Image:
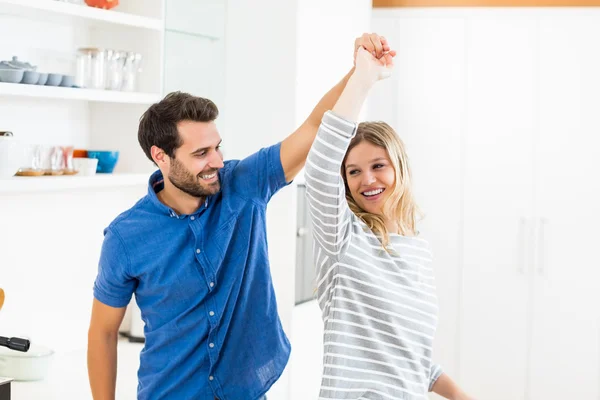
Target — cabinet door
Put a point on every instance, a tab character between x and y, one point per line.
498	172
195	48
565	340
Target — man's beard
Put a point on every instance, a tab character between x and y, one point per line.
185	181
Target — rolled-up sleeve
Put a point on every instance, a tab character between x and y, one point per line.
261	174
434	373
114	286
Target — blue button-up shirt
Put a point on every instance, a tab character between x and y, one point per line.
203	284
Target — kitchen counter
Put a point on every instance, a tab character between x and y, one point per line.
68	379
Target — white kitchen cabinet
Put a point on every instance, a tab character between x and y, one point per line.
565	361
528	326
496	207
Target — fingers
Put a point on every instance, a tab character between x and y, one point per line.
365	42
374	44
385	44
377	45
388	59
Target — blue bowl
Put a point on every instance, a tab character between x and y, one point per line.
107	160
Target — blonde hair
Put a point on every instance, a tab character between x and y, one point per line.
400	206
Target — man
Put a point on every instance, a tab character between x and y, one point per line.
194	252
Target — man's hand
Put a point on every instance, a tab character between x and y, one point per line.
376	45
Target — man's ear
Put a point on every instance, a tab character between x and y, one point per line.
158	155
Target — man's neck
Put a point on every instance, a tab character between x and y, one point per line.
180	202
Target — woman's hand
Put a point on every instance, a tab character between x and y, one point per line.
370	69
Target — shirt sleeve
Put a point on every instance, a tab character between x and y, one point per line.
325	192
434	373
114	286
261	174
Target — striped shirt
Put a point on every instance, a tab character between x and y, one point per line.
379	308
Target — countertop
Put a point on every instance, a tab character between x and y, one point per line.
68	379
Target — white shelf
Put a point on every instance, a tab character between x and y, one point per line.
63	93
27	184
59	12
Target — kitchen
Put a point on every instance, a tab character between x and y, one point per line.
471	86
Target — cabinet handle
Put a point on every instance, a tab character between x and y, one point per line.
522	245
301	232
540	246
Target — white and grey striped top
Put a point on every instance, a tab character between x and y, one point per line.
379	308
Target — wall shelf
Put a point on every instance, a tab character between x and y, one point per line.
63	93
193	34
57	11
26	184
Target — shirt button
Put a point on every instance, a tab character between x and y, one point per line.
210	378
197	251
211	284
212	313
211	345
192	218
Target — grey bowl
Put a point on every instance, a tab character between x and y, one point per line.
54	79
67	81
11	75
31	77
43	78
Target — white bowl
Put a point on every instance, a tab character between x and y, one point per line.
32	365
85	166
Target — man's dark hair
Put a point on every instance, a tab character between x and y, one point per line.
158	125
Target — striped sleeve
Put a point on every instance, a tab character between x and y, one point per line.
434	373
325	193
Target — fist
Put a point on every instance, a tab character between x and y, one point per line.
370	69
373	43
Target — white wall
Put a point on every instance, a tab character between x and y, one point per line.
49	248
325	46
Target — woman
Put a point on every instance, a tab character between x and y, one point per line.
375	281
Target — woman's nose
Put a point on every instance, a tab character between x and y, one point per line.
368	179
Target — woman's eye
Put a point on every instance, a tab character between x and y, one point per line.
353	172
377	166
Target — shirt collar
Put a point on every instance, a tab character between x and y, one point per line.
155	185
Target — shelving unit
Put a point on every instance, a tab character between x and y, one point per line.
50	32
66	13
26	184
63	93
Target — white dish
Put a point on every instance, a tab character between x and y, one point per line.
32	365
85	166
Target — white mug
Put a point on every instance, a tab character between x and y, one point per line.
85	166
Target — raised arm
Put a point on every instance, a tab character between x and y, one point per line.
294	149
324	185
